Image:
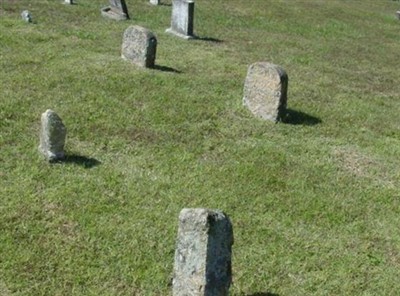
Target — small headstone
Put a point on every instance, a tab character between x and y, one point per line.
398	14
26	16
52	136
117	10
182	18
139	46
69	2
265	91
155	2
203	256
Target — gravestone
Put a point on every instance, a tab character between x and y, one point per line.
26	16
182	18
398	14
69	2
139	46
52	136
203	253
265	91
155	2
117	10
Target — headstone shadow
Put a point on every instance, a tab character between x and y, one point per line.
207	39
86	162
263	294
300	118
166	69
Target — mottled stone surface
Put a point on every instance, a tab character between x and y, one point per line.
117	10
52	136
139	46
26	16
203	253
265	91
155	2
182	18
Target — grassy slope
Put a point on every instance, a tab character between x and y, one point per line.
314	203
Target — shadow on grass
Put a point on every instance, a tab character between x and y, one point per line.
166	69
208	39
165	4
80	160
300	118
263	294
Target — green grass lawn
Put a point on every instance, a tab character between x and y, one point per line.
314	202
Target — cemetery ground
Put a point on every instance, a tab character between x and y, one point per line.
314	201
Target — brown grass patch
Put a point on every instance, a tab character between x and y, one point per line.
360	164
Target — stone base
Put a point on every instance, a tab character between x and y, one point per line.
173	32
108	12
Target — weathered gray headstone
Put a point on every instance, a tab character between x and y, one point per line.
203	255
155	2
182	18
265	91
117	10
139	46
26	16
398	14
52	136
69	2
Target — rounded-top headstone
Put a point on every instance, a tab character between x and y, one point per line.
265	91
52	136
139	46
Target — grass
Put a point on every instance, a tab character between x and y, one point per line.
314	202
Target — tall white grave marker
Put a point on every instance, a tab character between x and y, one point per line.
182	18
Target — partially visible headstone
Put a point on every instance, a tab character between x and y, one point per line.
139	46
52	136
203	255
26	16
182	18
398	14
69	2
155	2
265	91
117	10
